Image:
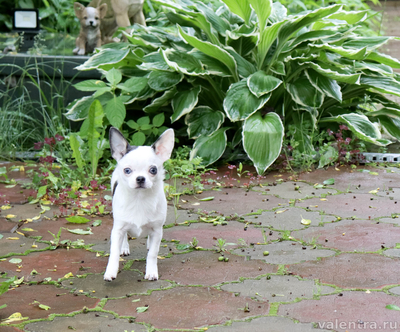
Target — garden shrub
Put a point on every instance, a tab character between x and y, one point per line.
239	74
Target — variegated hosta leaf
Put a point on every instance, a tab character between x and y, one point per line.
160	101
333	74
262	139
104	57
203	121
353	54
184	102
384	59
324	84
351	17
382	84
260	83
361	127
303	93
240	7
386	111
263	10
391	125
240	103
163	80
183	62
210	148
78	109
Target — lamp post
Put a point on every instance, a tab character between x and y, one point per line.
26	23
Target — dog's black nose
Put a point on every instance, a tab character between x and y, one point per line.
91	22
140	179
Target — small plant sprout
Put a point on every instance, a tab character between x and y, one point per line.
220	245
194	243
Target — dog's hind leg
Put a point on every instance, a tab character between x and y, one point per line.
153	241
117	237
125	247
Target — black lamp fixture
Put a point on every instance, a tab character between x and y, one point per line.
26	22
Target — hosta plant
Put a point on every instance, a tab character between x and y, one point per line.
239	73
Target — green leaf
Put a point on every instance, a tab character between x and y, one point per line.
324	84
262	139
260	83
382	84
303	93
240	8
212	50
203	121
105	56
115	111
329	182
141	309
210	148
240	103
160	101
360	125
3	306
95	120
132	124
41	191
44	307
114	76
75	144
80	231
350	17
266	40
15	260
206	199
183	62
134	84
392	307
263	10
138	138
77	220
164	80
330	156
184	102
335	75
384	59
391	125
97	223
90	85
349	53
158	120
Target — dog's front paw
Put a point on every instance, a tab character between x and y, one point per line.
81	52
109	276
125	251
151	274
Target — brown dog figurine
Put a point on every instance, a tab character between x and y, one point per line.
90	35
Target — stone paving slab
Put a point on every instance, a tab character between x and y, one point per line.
89	322
126	283
57	299
368	271
286	252
296	190
14	243
55	264
203	268
278	288
360	206
290	218
29	211
15	195
207	234
350	235
188	307
232	201
347	311
270	324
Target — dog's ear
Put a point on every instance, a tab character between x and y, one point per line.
164	145
118	144
79	8
102	10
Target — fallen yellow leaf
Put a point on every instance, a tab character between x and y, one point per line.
305	221
13	238
36	218
69	275
22	169
5	207
280	211
374	191
10	216
160	257
14	317
323	199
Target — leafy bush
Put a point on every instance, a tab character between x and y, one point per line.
241	73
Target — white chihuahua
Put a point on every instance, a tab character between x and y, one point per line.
139	203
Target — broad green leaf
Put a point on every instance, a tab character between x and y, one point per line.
240	103
138	138
384	59
163	80
97	223
241	8
263	10
134	84
115	111
77	220
158	120
154	61
361	127
351	17
141	309
260	83
329	182
105	56
90	85
75	146
391	125
41	191
184	102
265	41
210	148
211	50
303	93
114	76
78	109
245	67
203	121
382	84
307	36
80	231
183	62
371	43
262	139
386	111
353	54
329	156
324	84
160	101
393	307
95	114
335	75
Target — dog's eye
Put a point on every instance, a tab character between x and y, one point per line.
153	170
96	18
85	17
127	170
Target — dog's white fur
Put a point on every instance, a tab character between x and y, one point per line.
139	203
